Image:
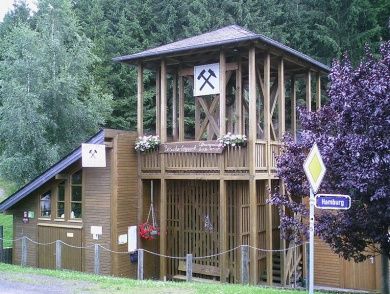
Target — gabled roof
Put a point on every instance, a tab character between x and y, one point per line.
224	36
50	173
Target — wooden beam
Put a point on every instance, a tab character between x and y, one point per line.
181	109
189	71
281	102
253	232
197	117
238	100
223	230
209	116
283	263
308	90
163	132
251	156
267	84
268	233
140	100
174	107
61	177
163	229
293	108
318	92
222	94
158	102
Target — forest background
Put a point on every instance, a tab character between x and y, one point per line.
59	85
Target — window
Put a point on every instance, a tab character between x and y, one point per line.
76	195
46	204
61	200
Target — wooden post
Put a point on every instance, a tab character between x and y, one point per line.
58	254
1	244
222	94
163	229
267	116
308	90
158	102
181	109
197	118
174	107
293	108
281	102
268	232
223	229
24	251
238	101
189	267
282	241
244	264
318	92
96	268
140	100
140	264
251	149
140	200
163	89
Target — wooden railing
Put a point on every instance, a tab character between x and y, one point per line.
232	160
191	162
236	159
150	161
260	156
293	271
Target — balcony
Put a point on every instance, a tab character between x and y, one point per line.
233	160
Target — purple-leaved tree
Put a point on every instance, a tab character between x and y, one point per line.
353	135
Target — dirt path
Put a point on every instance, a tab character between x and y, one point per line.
20	283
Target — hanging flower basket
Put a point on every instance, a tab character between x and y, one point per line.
147	143
148	232
232	140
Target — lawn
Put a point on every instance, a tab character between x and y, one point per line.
122	285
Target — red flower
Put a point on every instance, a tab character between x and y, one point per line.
148	232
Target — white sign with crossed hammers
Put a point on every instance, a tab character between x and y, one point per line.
93	155
206	79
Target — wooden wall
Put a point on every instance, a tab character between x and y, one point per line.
124	200
97	208
30	230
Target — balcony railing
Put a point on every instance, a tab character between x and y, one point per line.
231	160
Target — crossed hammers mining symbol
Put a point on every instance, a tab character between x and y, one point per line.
206	80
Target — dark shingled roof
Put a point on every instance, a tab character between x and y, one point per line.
50	173
224	36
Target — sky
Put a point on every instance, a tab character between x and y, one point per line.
6	5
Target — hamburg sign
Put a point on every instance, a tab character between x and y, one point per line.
333	201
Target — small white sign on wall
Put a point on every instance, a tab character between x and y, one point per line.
96	231
132	239
206	79
93	155
122	239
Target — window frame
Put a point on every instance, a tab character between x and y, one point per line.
71	201
47	192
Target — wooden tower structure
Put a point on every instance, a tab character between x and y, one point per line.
210	201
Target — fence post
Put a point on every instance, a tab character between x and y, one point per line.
23	261
140	265
97	260
244	264
58	254
189	267
1	244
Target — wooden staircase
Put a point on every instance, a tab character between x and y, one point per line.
289	274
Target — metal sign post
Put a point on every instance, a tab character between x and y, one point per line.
315	170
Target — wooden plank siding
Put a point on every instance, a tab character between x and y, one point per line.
124	200
97	212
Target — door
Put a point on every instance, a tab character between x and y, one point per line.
71	257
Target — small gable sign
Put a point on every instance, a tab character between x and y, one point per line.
93	155
206	79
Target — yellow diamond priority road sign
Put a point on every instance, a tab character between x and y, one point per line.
314	168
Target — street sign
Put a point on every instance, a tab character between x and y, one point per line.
314	168
333	201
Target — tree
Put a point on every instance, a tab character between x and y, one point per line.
49	101
353	135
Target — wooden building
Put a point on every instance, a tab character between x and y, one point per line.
66	200
208	199
213	201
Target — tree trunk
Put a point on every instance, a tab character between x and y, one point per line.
385	274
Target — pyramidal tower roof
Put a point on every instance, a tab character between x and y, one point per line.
229	35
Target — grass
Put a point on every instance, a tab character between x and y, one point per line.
122	285
6	220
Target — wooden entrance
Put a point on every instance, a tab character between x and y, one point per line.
71	257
